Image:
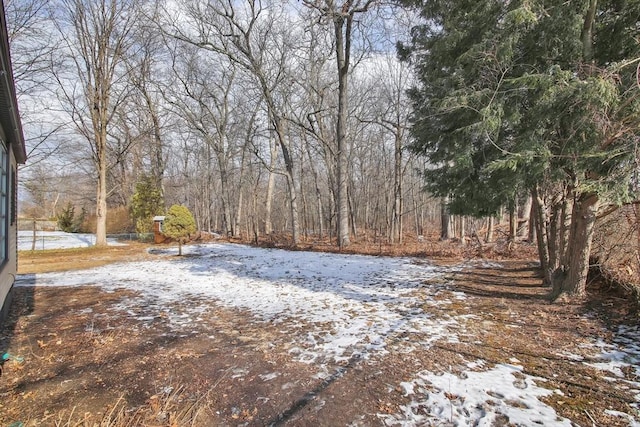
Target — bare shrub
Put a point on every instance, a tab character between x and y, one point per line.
615	245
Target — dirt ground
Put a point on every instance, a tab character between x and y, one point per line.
77	359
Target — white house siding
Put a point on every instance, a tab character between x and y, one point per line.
10	268
13	141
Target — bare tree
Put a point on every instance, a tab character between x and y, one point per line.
250	36
341	15
206	97
96	35
390	111
31	53
144	74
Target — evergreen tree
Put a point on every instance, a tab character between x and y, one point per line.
532	94
66	219
179	224
146	203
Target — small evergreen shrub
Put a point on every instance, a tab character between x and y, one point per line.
179	224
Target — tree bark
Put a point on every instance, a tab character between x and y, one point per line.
587	31
343	45
539	211
446	224
101	204
271	182
396	215
513	220
585	212
291	182
490	227
524	226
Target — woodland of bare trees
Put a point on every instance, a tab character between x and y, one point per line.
260	117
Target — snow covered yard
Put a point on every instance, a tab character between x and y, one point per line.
372	340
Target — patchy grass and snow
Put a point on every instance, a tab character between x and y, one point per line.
335	309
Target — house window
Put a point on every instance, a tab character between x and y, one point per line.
4	202
13	188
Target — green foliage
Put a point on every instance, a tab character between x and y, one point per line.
68	221
178	223
530	95
146	203
514	94
66	218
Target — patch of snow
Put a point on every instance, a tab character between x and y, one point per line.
407	387
632	421
499	396
483	263
352	305
620	355
476	364
269	377
58	240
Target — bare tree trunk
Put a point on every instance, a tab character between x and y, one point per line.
539	210
565	225
238	220
33	242
554	233
446	224
354	228
291	182
101	197
490	227
396	214
523	227
268	224
513	220
342	46
532	236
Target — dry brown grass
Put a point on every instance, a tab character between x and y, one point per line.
30	262
173	409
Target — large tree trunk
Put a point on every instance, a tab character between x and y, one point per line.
540	222
99	122
446	230
291	182
574	278
101	201
524	225
343	43
554	233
